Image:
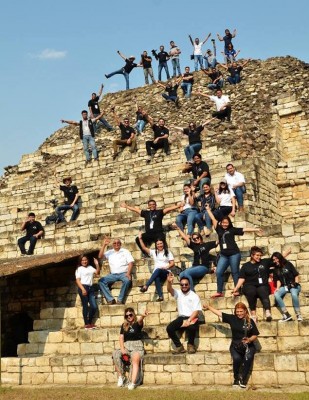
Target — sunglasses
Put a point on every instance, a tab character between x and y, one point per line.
195	238
129	315
184	284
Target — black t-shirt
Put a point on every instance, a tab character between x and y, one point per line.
140	116
126	131
256	274
198	169
208	199
228	246
172	90
234	71
134	332
69	193
94	104
286	275
188	74
201	252
194	136
238	327
129	65
159	131
153	220
146	63
214	75
163	56
32	228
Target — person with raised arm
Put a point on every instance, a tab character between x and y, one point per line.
229	251
197	51
234	69
171	90
227	38
222	103
244	334
94	109
141	117
153	221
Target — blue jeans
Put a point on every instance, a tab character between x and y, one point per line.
66	207
195	272
21	244
88	313
89	141
186	87
104	123
108	280
187	216
223	263
140	125
198	60
279	294
120	72
160	67
158	277
233	79
192	149
203	219
212	64
167	97
239	194
176	64
218	85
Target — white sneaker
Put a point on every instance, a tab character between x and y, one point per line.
121	381
299	317
131	386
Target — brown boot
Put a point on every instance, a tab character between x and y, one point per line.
191	349
178	350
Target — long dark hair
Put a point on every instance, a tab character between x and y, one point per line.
79	261
229	221
282	260
126	324
165	246
225	190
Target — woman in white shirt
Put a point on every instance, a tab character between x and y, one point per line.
225	197
84	279
189	210
163	261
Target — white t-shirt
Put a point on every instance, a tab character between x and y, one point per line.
85	274
160	259
198	49
226	198
85	126
234	179
118	260
186	201
187	303
220	102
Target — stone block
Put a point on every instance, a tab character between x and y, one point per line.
293	343
91	348
264	378
286	362
77	378
223	378
291	378
182	378
61	378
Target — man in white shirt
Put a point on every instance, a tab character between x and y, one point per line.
222	103
236	182
120	263
188	305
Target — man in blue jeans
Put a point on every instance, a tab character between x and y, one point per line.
162	57
94	109
120	263
71	196
34	231
86	133
187	82
237	183
125	71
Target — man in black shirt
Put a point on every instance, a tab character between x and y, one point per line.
162	57
234	69
34	231
187	82
160	141
71	197
171	89
216	77
146	63
127	138
200	172
125	71
153	221
94	109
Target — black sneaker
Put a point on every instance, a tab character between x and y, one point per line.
236	383
242	383
286	317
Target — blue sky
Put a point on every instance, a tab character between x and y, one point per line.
55	53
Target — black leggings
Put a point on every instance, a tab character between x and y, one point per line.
175	325
245	361
252	293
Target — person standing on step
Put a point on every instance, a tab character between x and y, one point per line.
128	137
188	306
174	56
121	264
287	281
163	261
34	231
160	141
236	182
125	71
86	133
84	280
147	68
131	349
244	334
162	57
94	109
227	39
153	222
71	196
197	51
187	82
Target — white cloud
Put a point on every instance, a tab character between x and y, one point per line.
50	54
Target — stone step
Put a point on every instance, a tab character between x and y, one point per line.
208	368
213	336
